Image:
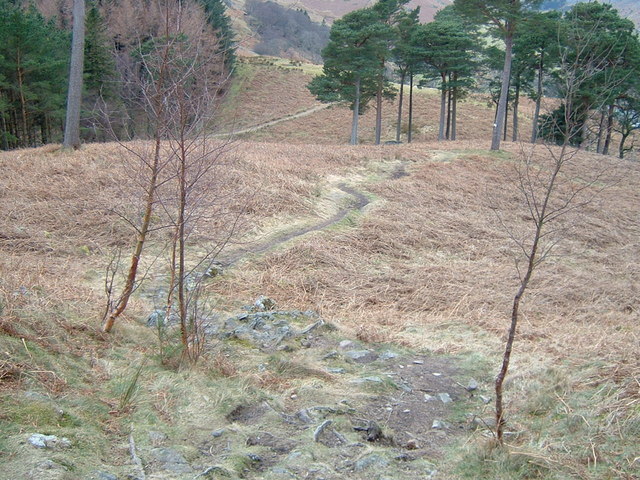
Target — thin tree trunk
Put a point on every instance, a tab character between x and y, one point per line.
356	114
504	91
454	113
400	101
443	105
622	142
379	112
532	261
74	96
506	122
516	104
600	131
607	141
24	138
449	95
410	130
536	113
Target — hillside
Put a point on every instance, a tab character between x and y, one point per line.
393	276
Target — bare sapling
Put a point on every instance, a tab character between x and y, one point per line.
200	186
552	186
153	90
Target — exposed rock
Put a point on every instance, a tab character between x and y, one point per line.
218	433
388	355
48	441
279	445
171	460
362	356
100	475
159	318
336	370
472	386
370	461
345	344
485	399
264	304
445	397
372	379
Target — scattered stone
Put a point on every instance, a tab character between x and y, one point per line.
439	425
412	444
218	433
100	475
48	441
429	398
370	461
367	380
318	431
418	362
305	343
264	304
472	386
388	355
331	354
405	388
362	356
357	354
282	472
485	399
336	370
445	398
486	422
254	458
435	374
171	460
158	318
345	344
215	471
406	410
304	416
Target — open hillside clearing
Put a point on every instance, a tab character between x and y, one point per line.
425	267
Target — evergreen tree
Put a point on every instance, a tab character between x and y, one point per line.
352	67
406	56
504	16
33	61
446	50
216	12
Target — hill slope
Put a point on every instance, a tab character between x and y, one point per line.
414	283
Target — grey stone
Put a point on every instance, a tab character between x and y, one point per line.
331	354
345	344
472	386
372	379
388	355
100	475
171	460
48	441
429	398
485	399
304	416
336	370
439	425
370	461
218	433
445	397
254	458
418	362
486	422
282	472
356	354
263	304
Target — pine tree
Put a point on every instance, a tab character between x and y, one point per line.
216	12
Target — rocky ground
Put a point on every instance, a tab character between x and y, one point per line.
369	411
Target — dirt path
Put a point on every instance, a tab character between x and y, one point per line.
358	203
255	128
